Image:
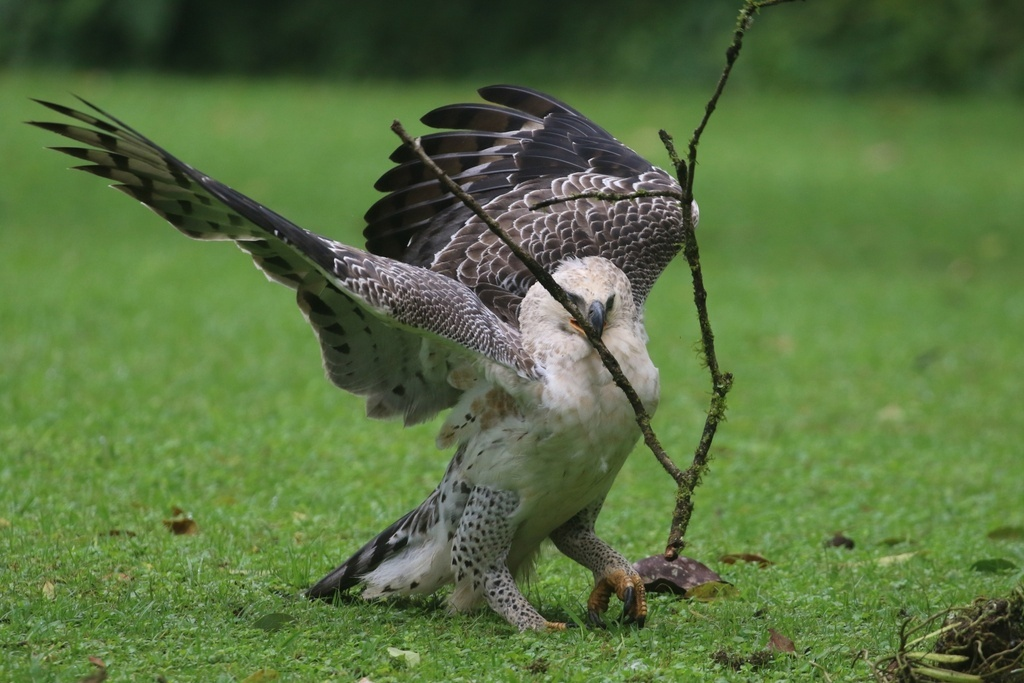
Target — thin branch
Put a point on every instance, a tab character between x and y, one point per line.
643	419
721	382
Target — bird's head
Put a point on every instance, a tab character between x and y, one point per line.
599	290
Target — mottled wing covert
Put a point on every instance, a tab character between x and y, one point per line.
520	150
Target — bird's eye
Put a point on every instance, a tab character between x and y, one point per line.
608	304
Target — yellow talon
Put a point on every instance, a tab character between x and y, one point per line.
629	588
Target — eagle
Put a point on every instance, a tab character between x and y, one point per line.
437	314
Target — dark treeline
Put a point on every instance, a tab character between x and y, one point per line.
850	45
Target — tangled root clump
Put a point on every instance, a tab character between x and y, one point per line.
983	641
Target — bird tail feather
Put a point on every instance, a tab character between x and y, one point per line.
350	573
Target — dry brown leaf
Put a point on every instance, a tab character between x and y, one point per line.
49	590
97	676
733	558
261	676
838	540
677	576
896	540
779	642
182	526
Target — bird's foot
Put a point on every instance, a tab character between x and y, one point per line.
629	587
559	625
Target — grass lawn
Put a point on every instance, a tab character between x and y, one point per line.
864	262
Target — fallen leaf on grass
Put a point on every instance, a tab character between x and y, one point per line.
896	540
888	560
712	590
49	590
839	541
409	657
779	643
756	660
97	676
122	532
733	558
261	676
995	565
4	523
677	576
182	527
275	621
181	523
1003	533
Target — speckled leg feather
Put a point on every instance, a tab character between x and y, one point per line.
612	572
479	552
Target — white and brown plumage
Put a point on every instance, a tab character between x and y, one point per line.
439	314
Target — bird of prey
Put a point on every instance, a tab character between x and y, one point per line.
437	314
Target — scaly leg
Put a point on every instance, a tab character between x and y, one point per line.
479	552
612	572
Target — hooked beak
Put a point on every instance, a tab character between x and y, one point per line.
595	314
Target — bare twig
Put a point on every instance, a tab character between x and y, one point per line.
721	382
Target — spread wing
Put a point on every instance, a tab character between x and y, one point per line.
521	150
388	330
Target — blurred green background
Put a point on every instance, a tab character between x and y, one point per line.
849	45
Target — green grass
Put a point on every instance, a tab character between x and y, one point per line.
863	258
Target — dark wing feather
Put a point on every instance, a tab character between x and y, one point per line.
388	330
520	149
